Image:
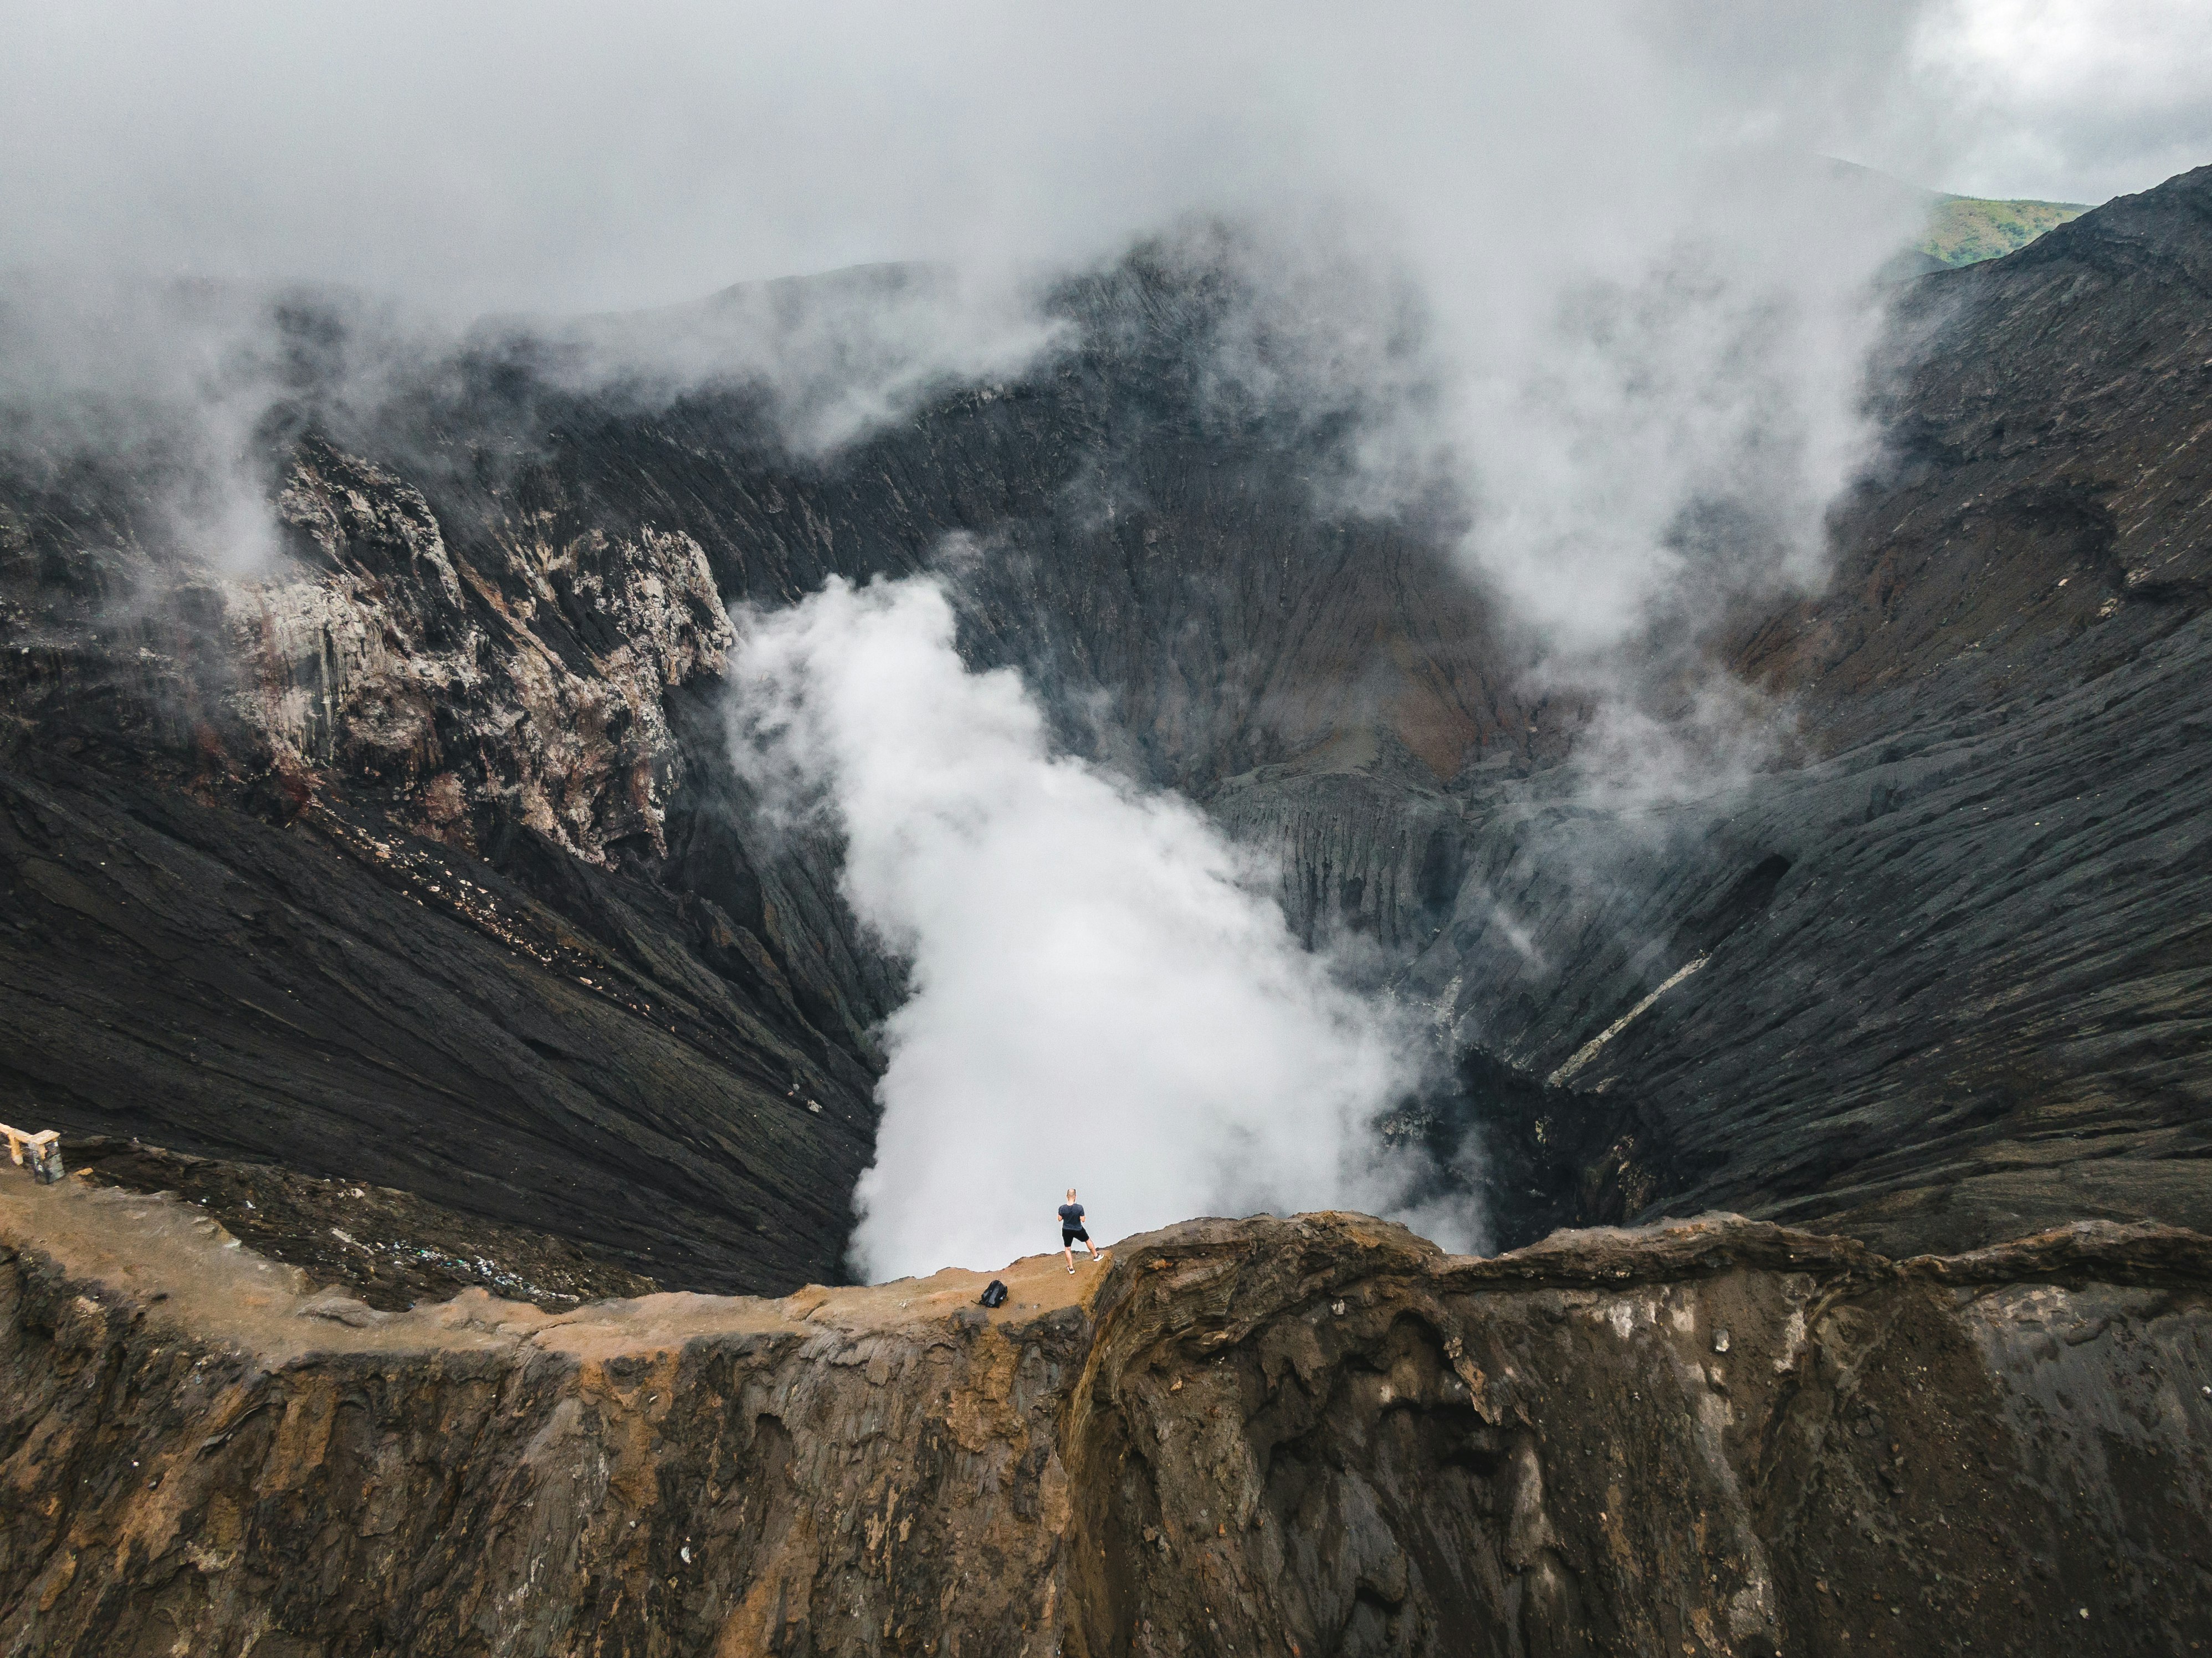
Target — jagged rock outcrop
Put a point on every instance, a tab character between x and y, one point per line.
369	661
1310	1437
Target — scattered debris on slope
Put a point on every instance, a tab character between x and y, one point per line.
389	1248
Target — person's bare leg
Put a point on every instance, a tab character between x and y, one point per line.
1091	1246
1068	1250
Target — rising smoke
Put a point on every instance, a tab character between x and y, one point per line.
1577	270
1103	994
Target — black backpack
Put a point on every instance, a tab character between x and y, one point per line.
994	1294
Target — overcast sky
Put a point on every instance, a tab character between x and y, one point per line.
566	155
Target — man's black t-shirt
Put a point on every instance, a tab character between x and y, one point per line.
1071	1216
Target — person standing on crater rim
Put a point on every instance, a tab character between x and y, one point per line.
1072	1232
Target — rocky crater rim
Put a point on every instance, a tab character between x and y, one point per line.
182	1269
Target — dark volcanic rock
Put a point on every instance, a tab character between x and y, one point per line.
475	696
1975	996
1950	976
1308	1436
366	863
377	1007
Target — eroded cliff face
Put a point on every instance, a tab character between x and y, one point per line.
1307	1438
368	660
428	818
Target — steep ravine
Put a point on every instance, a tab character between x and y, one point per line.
1308	1437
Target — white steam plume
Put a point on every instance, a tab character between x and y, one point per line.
1104	996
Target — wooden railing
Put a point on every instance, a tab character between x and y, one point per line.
40	1152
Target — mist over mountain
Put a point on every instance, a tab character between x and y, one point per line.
1409	652
475	683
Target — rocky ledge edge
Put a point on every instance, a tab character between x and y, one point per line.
1301	1437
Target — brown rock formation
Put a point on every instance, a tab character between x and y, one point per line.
372	662
1309	1436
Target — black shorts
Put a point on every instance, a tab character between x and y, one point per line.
1073	1234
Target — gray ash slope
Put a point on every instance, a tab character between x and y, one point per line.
1960	967
416	858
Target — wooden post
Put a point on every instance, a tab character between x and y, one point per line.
41	1151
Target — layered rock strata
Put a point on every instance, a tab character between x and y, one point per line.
1305	1437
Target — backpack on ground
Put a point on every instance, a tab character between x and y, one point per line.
994	1294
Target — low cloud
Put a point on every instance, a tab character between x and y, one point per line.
1575	263
179	394
1105	996
2073	100
833	356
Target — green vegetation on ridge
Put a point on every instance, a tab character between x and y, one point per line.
1955	230
1966	229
